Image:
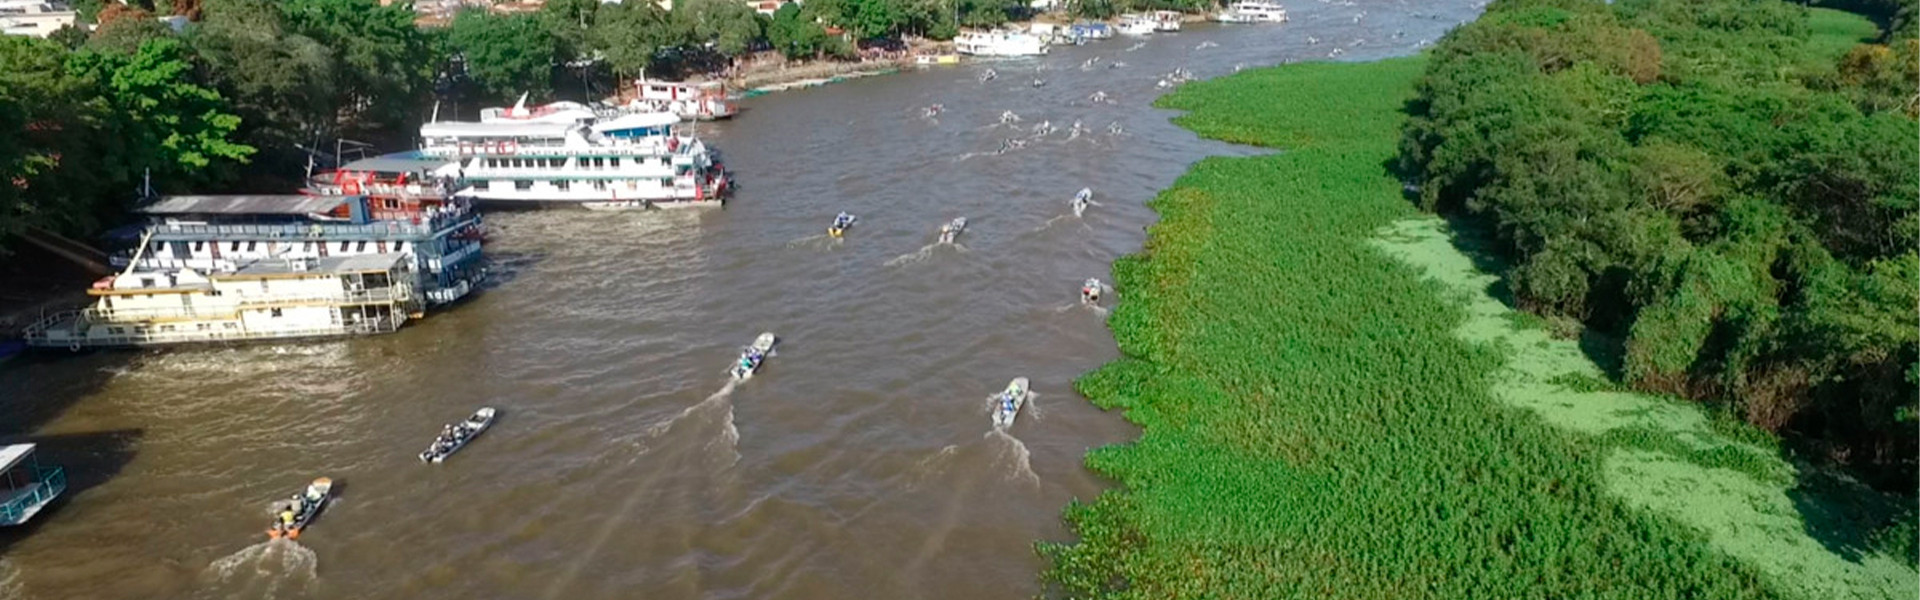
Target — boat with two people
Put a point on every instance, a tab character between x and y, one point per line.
1081	200
1090	291
952	229
1007	404
456	436
292	515
753	356
841	223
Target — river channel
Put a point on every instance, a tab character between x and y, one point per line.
860	463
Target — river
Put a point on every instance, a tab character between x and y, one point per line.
859	464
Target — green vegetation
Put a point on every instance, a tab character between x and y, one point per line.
1339	400
1313	426
1725	186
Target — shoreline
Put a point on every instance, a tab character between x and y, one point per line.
1330	399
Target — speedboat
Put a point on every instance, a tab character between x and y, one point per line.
1007	405
952	229
456	437
753	356
841	224
1090	291
1081	200
292	515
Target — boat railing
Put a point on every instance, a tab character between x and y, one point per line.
376	229
148	336
100	315
49	482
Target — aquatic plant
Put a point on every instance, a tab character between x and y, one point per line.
1312	426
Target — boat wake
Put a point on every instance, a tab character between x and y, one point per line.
921	255
10	584
820	240
265	570
933	465
720	402
1015	456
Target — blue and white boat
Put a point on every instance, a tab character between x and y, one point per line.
26	486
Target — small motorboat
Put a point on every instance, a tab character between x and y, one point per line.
292	515
952	229
989	75
455	437
1007	405
1081	200
841	224
1090	291
753	356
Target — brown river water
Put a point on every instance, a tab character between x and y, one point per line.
860	463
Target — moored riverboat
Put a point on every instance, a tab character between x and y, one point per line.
631	158
999	42
26	486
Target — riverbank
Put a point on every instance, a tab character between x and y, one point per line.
1321	417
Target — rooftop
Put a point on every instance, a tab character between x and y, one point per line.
398	162
245	204
11	454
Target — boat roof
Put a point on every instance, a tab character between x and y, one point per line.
12	454
398	162
469	128
638	120
356	263
245	204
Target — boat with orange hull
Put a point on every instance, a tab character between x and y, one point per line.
292	515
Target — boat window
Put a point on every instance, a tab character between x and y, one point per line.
600	184
198	246
235	247
117	330
146	282
251	246
563	185
343	246
398	246
523	185
206	326
393	204
306	246
274	312
360	248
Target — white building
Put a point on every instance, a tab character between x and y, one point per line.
37	18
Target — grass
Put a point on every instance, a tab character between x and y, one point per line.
1324	419
1831	33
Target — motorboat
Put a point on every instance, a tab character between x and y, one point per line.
292	515
841	224
753	356
1081	200
1091	291
456	436
1167	20
1007	404
952	229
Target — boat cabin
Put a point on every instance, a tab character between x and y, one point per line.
399	186
26	486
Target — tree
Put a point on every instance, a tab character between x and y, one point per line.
155	116
382	69
630	35
795	35
568	21
869	19
281	84
40	124
729	25
124	28
506	55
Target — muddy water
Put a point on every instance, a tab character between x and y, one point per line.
859	464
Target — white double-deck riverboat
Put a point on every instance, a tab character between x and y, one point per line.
999	42
267	299
569	155
1252	11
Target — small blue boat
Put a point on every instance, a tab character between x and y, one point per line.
25	485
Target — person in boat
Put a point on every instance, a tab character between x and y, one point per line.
1006	401
286	519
